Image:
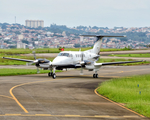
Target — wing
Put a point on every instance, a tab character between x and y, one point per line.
18	59
114	63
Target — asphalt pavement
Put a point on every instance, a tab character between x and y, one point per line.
70	96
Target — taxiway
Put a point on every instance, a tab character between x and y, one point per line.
68	97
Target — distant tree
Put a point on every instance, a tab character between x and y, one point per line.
76	45
4	26
7	41
25	41
17	32
26	31
124	39
39	28
12	46
33	32
38	34
95	27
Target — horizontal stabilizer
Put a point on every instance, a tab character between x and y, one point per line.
101	36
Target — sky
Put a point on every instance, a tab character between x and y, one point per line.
72	13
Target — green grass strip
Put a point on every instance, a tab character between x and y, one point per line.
53	50
12	72
134	92
132	55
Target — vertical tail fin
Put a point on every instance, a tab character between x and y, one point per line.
97	45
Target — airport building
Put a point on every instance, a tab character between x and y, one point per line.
34	23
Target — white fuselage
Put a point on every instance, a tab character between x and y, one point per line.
73	57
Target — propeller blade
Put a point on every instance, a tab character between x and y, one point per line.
38	71
34	55
82	63
82	56
35	61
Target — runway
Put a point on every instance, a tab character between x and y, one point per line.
70	96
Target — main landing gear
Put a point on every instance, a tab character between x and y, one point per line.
95	75
52	74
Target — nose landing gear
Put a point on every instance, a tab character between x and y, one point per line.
52	74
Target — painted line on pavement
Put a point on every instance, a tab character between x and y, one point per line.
7	96
73	116
13	96
117	103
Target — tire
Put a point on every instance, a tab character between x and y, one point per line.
49	74
54	76
94	76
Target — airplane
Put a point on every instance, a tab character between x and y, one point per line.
74	59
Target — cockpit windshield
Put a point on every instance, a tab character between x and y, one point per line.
64	54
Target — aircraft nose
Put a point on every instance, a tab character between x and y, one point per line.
59	60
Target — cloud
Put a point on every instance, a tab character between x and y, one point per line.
76	12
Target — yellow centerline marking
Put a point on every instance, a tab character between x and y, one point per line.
11	93
116	103
43	115
94	116
72	115
12	114
105	116
6	96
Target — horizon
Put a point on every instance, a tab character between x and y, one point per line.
76	26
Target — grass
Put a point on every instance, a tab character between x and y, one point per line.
12	71
126	90
132	55
51	50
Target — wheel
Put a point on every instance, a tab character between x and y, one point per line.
54	75
94	75
50	74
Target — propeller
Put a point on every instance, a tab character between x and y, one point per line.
36	61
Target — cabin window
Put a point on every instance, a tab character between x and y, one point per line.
70	55
63	54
